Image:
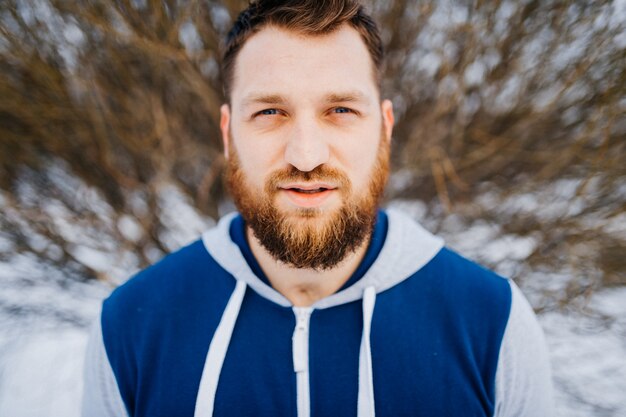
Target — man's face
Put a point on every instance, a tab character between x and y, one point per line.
308	143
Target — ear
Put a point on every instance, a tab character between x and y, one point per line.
388	118
225	127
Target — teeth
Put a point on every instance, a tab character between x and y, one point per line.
317	190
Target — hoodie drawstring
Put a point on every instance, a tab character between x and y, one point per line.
217	352
366	379
205	399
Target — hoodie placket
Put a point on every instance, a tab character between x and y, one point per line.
300	348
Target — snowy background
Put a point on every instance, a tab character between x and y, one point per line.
509	143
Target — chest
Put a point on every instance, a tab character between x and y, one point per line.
424	363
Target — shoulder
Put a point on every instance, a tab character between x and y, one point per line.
419	262
170	272
468	284
450	264
182	280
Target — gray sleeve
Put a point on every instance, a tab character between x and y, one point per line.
523	378
101	396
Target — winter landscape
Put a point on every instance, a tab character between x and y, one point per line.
509	143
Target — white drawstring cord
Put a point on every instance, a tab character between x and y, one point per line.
366	378
205	400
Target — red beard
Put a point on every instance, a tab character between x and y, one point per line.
289	237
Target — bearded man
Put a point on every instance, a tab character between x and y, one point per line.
311	301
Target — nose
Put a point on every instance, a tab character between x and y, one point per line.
307	147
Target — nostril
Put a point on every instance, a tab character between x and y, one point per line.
306	153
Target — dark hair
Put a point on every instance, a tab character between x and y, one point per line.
308	17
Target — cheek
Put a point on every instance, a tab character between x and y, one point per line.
257	153
256	162
359	161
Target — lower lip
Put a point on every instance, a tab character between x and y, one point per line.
308	200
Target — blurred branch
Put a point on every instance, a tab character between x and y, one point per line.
125	96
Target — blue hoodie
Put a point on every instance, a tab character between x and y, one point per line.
416	331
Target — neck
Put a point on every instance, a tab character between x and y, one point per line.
303	287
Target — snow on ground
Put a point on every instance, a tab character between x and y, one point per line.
41	376
43	333
588	351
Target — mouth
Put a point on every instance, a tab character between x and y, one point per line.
311	188
308	195
308	190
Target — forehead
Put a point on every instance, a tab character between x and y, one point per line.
282	62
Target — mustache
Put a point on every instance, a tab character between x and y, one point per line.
321	173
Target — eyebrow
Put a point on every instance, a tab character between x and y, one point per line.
348	96
341	97
264	99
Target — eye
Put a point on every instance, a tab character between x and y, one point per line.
269	117
342	110
268	112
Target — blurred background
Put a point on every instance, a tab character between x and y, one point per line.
510	143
